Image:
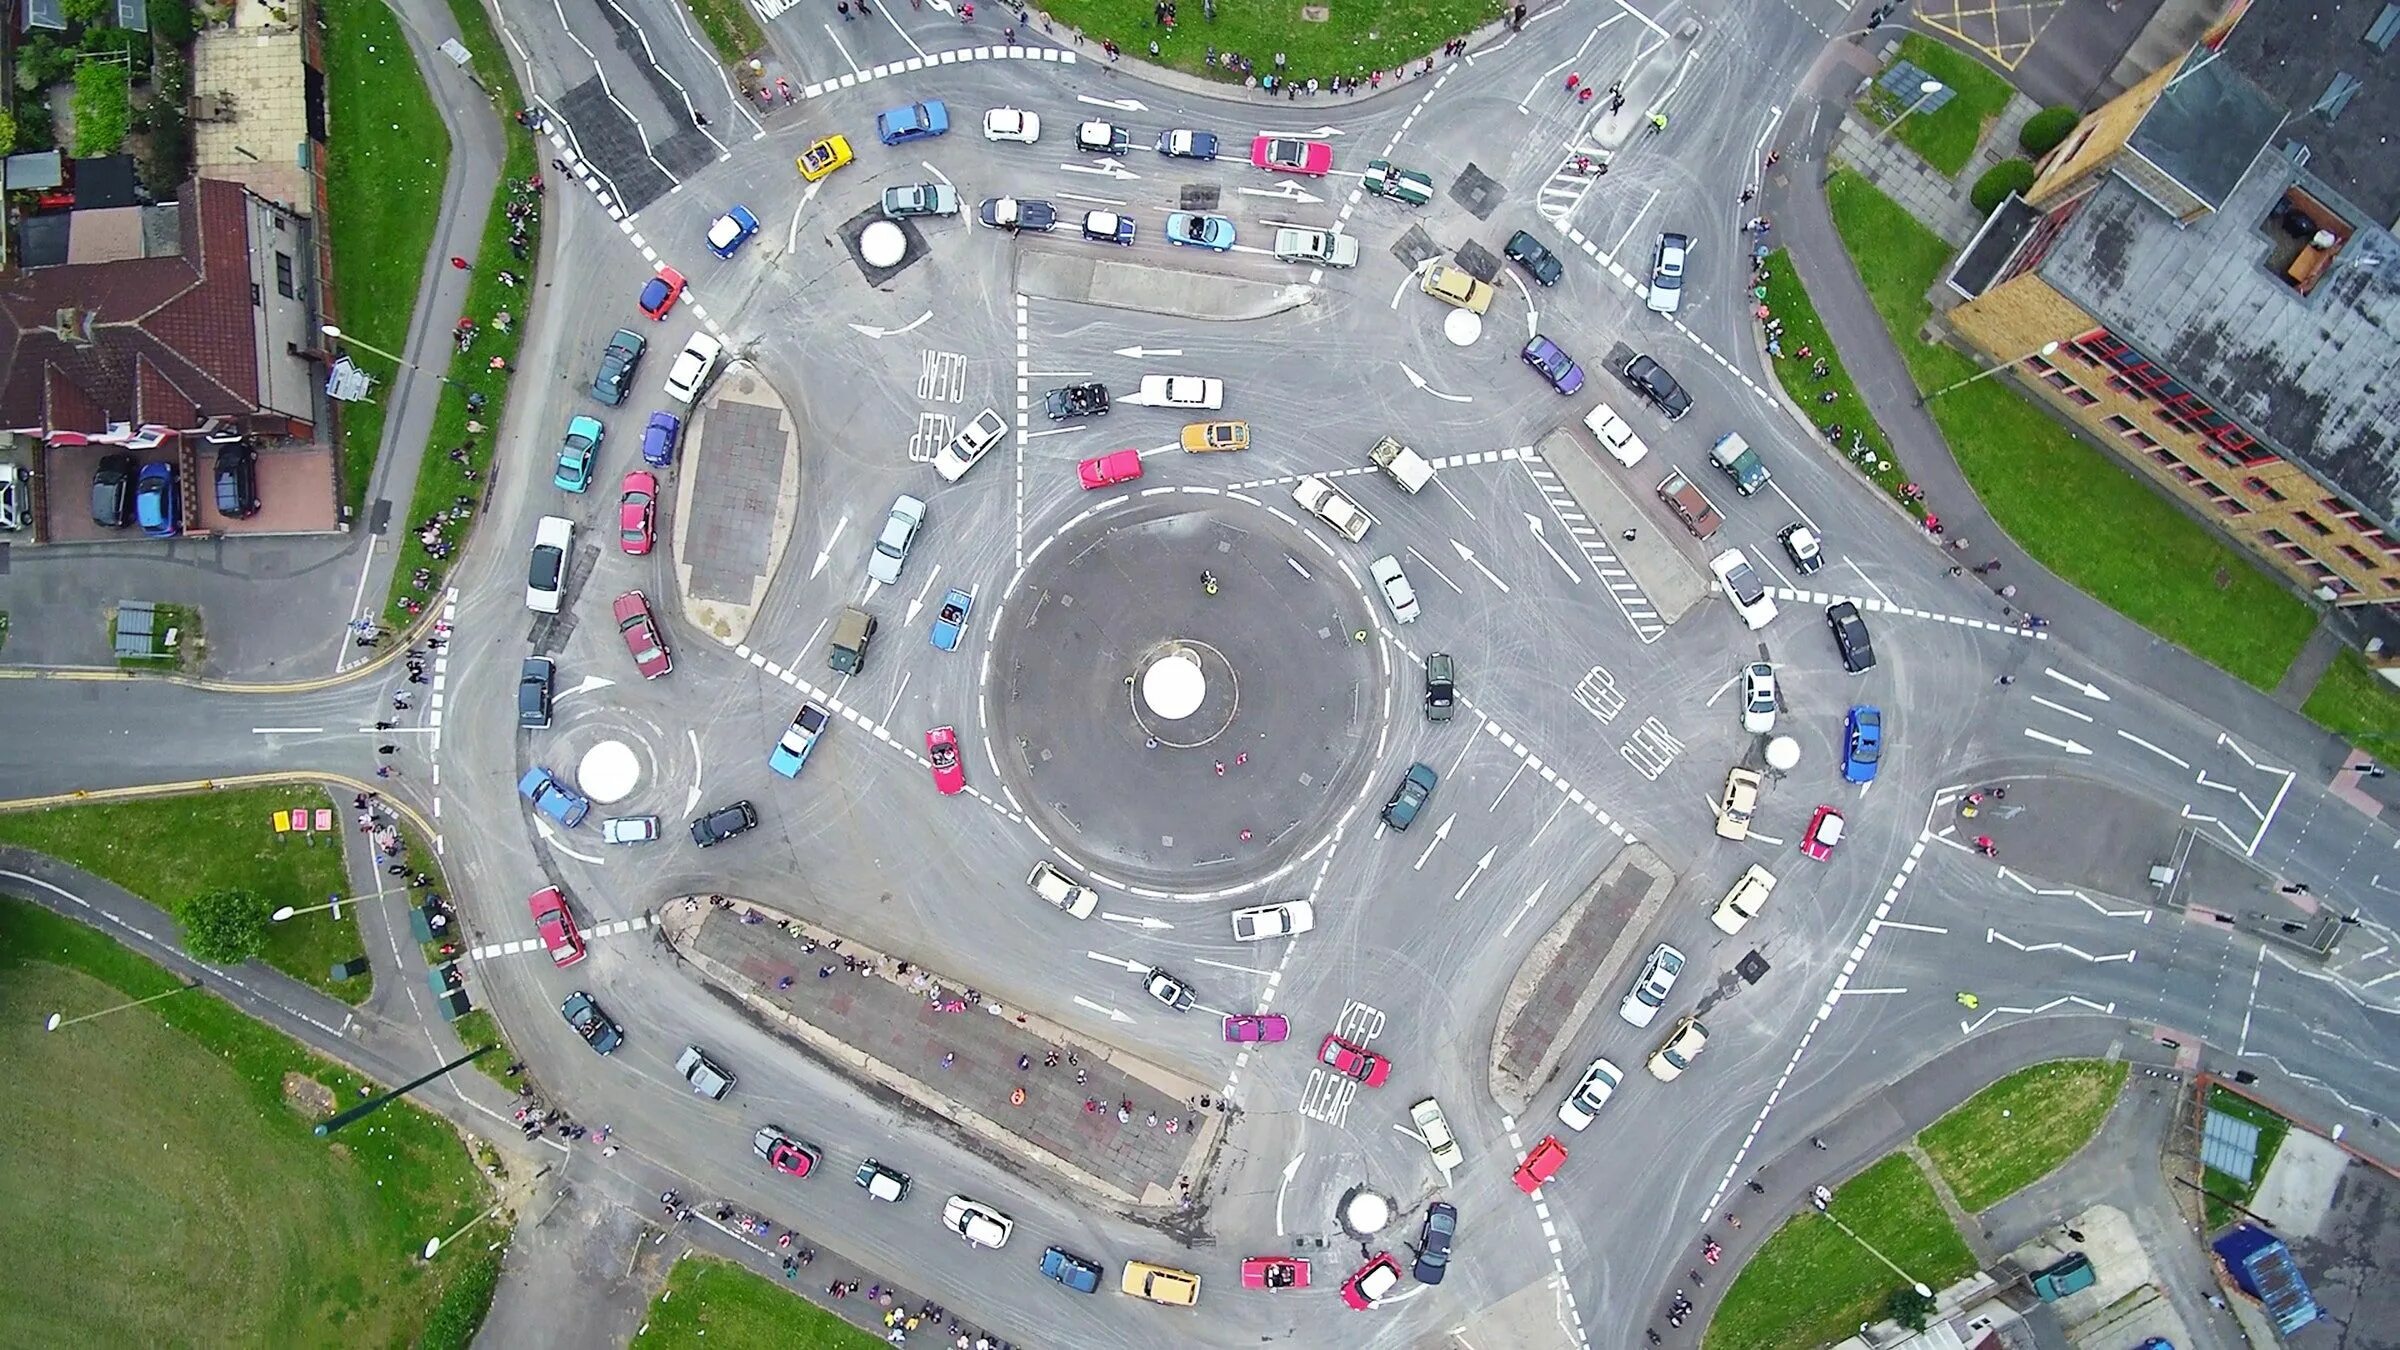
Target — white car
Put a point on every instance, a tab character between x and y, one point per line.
1592	1092
891	547
1059	889
1182	391
1260	922
1397	593
1651	987
976	1221
546	580
1758	698
1012	124
693	365
1439	1140
973	442
1615	435
1743	588
1666	273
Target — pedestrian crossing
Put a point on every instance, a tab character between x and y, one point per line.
523	945
1635	604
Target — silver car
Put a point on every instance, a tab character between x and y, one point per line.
1649	992
1397	593
891	547
1666	273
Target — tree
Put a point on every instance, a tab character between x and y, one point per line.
8	131
225	927
2003	178
1909	1308
85	13
2045	130
103	108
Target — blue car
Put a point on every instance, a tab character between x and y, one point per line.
1071	1270
659	438
157	506
950	621
1556	366
578	452
1862	744
553	798
1107	227
791	753
1192	229
1188	144
728	232
913	122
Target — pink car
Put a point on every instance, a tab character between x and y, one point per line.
1824	831
637	513
1354	1062
949	771
1256	1027
557	927
1284	154
642	638
1119	466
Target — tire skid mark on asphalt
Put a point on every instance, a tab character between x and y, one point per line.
1549	1226
522	945
946	58
1872	605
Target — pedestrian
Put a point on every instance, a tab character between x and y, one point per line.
1817	1141
460	263
1734	1219
1747	194
825	972
387	749
699	118
2005	681
1153	1118
1124	1114
501	363
1024	1062
844	7
1630	532
396	869
386	771
1757	1189
949	1057
379	726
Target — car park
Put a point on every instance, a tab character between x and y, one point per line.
590	1023
618	360
1453	285
1759	698
1183	391
1288	918
822	157
1062	892
1862	743
1743	588
846	650
660	292
1801	545
1018	214
1107	227
1554	364
973	441
1076	400
1439	1230
976	1222
912	122
1102	138
1070	1270
1441	686
1199	229
1274	1272
577	452
724	823
1743	900
1652	986
1434	1129
791	751
775	1146
888	1184
535	678
553	798
900	527
112	490
1160	1284
546	576
1666	273
941	755
693	365
1823	834
1285	154
637	513
1012	124
1180	144
1171	993
1591	1092
237	482
642	638
659	437
158	500
1416	789
1616	435
1401	185
1266	1028
1685	1040
1539	263
1648	378
728	232
556	926
707	1077
1398	595
1541	1163
1738	804
628	829
1372	1281
1353	1061
1850	636
919	199
950	618
1328	248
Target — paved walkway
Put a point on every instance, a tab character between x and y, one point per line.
1941	203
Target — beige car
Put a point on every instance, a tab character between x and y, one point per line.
1743	902
1453	285
1739	804
1685	1040
1161	1284
1199	437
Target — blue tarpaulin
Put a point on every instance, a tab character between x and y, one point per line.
2264	1268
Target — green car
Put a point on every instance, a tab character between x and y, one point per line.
1405	185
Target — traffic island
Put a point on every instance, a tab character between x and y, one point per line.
1570	971
742	448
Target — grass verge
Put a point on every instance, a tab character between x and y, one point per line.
1812	1283
181	620
174	1195
1945	138
2020	1129
466	1299
385	191
2078	511
2223	1188
169	849
712	1304
2360	706
1862	438
1352	41
730	26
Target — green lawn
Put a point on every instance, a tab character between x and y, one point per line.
711	1304
169	849
385	186
2271	1130
1946	138
2020	1129
1353	40
2075	508
730	26
184	622
1811	1283
162	1190
2355	702
1788	298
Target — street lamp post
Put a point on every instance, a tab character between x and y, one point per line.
336	902
1914	1283
1924	91
2046	349
433	1245
356	341
57	1020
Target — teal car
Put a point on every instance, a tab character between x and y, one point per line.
1193	229
950	621
578	453
1401	185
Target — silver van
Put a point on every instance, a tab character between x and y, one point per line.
703	1074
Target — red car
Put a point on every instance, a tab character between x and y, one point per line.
1353	1061
1378	1277
637	513
557	927
660	292
782	1152
1824	831
949	771
1118	466
1541	1164
1274	1272
1286	155
641	636
1257	1027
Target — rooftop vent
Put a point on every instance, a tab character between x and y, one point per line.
2337	96
2386	27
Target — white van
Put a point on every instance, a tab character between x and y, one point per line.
1745	900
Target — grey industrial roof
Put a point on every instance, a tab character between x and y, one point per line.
2208	123
2318	62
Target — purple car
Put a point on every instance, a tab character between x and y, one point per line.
1556	366
658	439
1256	1027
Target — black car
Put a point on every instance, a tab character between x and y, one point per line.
1651	380
533	691
724	823
1433	1241
591	1023
1539	263
112	490
1018	213
1077	400
617	364
1416	789
237	482
1441	675
1850	634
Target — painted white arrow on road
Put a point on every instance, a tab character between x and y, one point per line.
1481	864
870	330
1419	381
1524	909
1120	104
1110	1013
827	551
587	684
1137	353
919	602
550	837
1538	537
2087	690
1477	563
1138	920
1440	833
1109	170
1133	967
2071	747
1290	1170
1287	191
1305	135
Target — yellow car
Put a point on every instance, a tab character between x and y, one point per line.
1200	436
824	157
1456	286
1161	1284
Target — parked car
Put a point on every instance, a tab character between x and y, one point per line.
1416	789
1652	986
237	482
618	360
592	1024
112	490
546	576
912	122
158	501
724	823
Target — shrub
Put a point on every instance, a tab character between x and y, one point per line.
133	46
103	108
2043	132
8	131
42	62
2003	178
86	13
171	22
